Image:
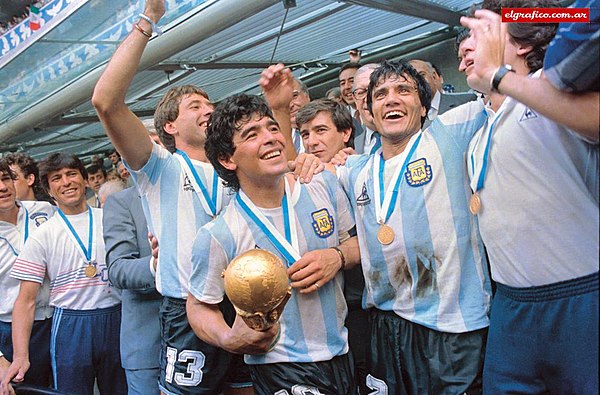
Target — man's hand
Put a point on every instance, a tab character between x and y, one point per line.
315	269
355	55
4	365
15	372
154	246
340	158
305	166
155	9
276	84
489	33
241	339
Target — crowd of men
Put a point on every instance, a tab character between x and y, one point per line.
396	208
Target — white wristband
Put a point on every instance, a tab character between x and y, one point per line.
152	260
155	27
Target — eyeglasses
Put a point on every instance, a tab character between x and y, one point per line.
359	93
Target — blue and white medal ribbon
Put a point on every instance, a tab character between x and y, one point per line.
210	203
478	170
287	245
385	202
89	253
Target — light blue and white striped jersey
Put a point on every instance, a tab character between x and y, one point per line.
174	214
539	218
434	272
312	325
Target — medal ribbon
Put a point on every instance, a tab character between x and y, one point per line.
25	234
288	245
385	203
477	182
86	252
211	204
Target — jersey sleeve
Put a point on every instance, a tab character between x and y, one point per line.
149	175
31	263
209	259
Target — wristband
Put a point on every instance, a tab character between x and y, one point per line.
155	27
499	74
139	29
342	257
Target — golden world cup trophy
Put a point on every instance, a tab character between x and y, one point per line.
257	284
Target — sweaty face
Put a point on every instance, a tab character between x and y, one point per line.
299	100
322	138
67	187
8	192
189	129
396	106
95	180
346	79
259	151
361	84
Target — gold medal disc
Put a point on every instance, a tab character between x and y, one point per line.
90	270
475	204
385	234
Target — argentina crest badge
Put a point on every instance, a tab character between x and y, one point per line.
418	173
322	223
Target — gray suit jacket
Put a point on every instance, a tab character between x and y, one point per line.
128	258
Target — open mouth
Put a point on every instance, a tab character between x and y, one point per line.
392	115
271	155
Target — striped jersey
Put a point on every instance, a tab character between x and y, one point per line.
312	325
539	217
31	216
434	272
52	252
174	214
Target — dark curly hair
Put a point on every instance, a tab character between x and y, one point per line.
534	35
227	118
395	68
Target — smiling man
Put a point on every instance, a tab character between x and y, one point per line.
425	271
69	252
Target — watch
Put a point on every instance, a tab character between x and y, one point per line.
499	74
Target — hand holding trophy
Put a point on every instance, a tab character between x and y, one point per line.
257	284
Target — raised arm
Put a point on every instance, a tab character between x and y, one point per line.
577	111
128	134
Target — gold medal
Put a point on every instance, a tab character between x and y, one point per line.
475	204
90	270
385	234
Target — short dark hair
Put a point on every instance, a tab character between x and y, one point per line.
388	69
351	65
339	115
167	111
57	161
535	35
5	168
28	167
227	118
93	169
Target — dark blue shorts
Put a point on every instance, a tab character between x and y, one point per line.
84	347
190	366
40	371
544	339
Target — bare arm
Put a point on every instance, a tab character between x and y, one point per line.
580	112
209	325
124	128
22	322
4	364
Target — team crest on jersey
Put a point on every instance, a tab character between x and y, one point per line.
418	173
527	114
39	218
322	223
363	199
187	184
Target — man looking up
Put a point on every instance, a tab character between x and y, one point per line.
19	220
422	257
69	251
301	224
